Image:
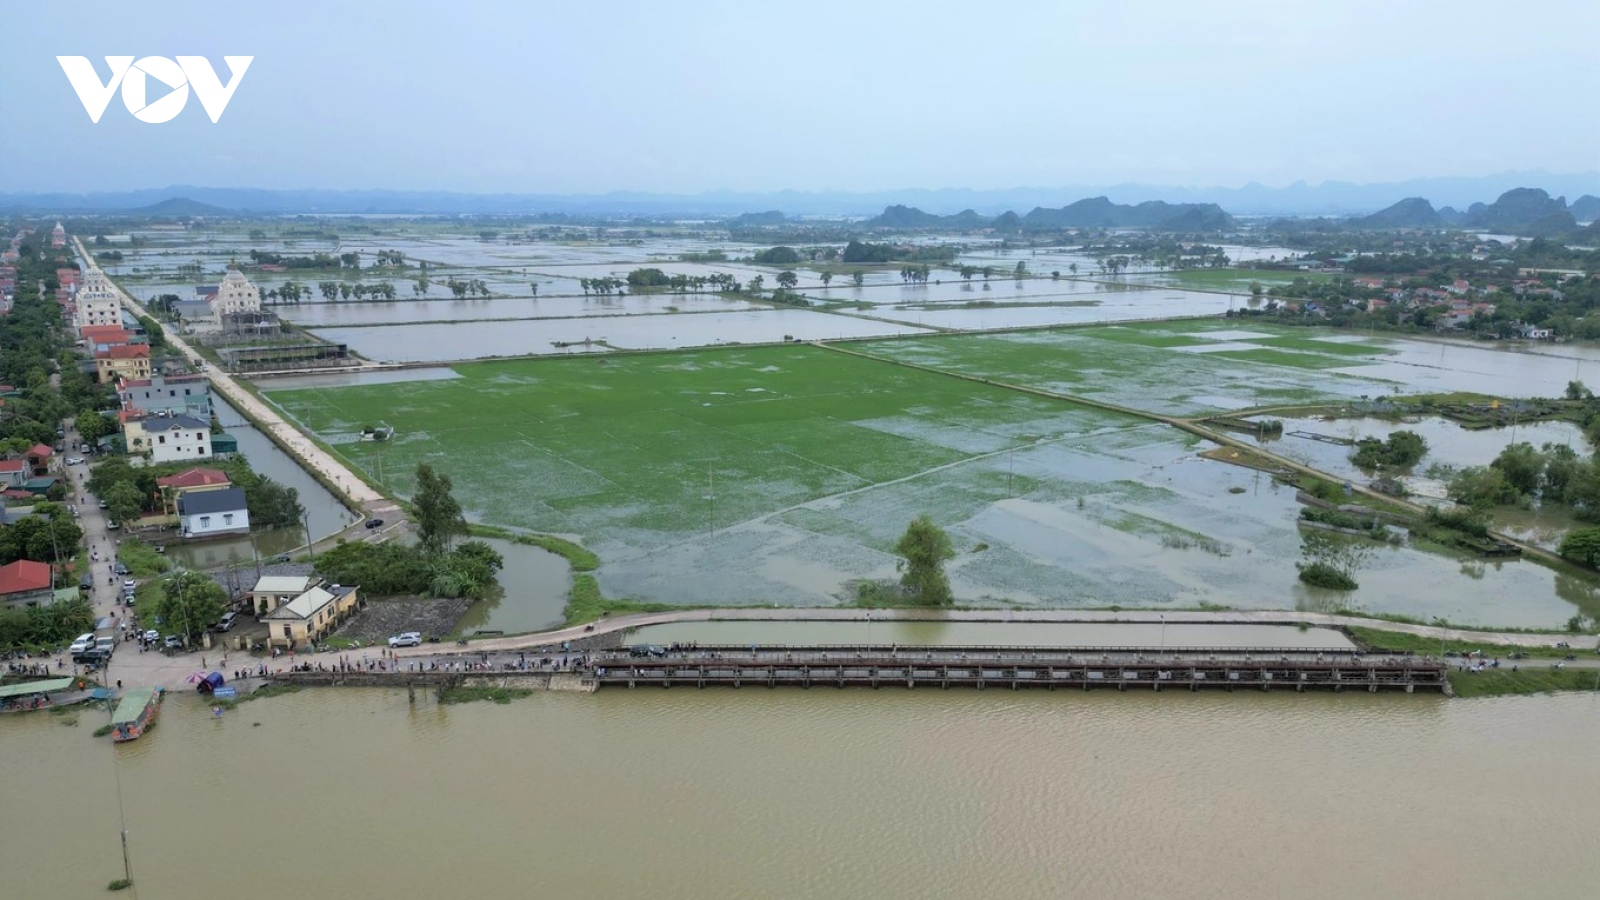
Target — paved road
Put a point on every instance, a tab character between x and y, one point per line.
308	454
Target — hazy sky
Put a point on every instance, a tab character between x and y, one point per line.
687	96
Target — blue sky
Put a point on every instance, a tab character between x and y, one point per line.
683	96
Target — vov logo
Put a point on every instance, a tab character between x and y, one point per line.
135	77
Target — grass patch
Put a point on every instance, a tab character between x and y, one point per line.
141	559
580	558
461	694
585	603
121	884
1336	348
1402	642
260	693
102	731
1535	679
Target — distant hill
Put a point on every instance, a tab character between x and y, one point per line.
1528	211
908	217
1585	208
1100	212
1450	215
179	206
770	217
1412	212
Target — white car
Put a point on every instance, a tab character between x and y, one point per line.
406	639
84	642
74	460
150	636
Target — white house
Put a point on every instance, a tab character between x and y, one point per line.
208	513
97	301
182	394
168	438
235	295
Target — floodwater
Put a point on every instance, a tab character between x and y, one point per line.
472	340
1448	442
814	794
1106	307
533	584
995	634
325	514
541	307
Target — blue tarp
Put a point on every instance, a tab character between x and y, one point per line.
210	683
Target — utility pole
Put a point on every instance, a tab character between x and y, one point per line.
311	548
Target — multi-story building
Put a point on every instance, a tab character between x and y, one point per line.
235	295
125	361
188	395
163	438
97	301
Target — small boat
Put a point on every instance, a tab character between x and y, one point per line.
134	713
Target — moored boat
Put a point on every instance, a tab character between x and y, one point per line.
41	694
134	714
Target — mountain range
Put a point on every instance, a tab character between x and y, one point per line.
1094	212
1530	212
1298	199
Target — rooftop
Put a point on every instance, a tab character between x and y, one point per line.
204	502
284	584
192	478
24	575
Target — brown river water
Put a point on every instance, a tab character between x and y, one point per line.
354	793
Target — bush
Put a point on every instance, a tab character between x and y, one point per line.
1323	575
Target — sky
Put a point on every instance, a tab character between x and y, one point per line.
681	96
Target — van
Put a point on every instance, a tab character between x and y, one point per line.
81	643
226	623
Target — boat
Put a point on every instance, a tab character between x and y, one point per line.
135	713
44	694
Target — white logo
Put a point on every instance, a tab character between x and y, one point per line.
134	77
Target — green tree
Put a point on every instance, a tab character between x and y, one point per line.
1522	465
924	549
190	603
787	279
439	517
93	426
1577	390
1481	487
124	502
1582	546
858	277
826	278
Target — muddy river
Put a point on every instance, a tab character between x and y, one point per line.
355	793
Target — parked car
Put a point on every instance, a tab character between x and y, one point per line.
150	635
104	505
374	523
81	643
406	639
227	620
120	569
112	526
74	460
127	584
173	642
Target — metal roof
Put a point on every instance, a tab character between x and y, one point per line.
36	687
132	705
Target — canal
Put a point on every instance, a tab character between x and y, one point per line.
812	794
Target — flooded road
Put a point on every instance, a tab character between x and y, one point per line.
820	794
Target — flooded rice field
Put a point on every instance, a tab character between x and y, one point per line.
527	307
473	340
1049	795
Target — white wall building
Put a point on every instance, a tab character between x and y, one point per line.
97	301
168	438
208	513
235	295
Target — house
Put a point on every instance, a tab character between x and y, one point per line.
204	514
273	591
25	583
97	301
130	361
39	457
167	438
188	395
13	472
310	616
235	295
1535	333
58	236
174	486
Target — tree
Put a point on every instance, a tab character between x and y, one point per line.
1582	546
924	549
49	535
534	286
826	277
1577	390
858	277
93	426
439	517
1481	487
329	289
190	603
124	502
272	504
1522	466
787	279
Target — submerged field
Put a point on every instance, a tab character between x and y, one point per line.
781	474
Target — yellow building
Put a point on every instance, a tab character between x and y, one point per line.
273	591
311	616
130	361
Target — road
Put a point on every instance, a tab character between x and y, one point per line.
309	455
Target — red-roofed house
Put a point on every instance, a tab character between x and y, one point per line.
13	472
39	460
129	361
25	583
